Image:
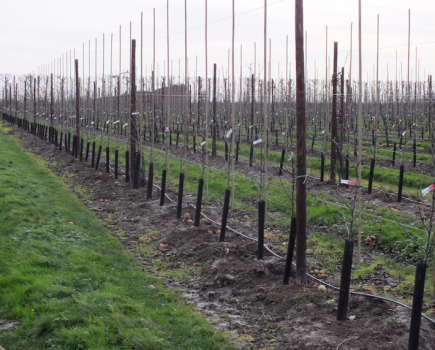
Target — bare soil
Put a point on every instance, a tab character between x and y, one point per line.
238	293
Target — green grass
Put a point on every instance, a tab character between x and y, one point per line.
385	178
73	286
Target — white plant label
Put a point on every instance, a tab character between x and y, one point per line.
202	143
125	125
349	182
229	133
403	133
167	129
116	122
257	142
427	190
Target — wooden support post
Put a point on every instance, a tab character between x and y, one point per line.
77	145
301	209
334	138
132	119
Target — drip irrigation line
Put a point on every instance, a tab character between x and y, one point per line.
310	276
341	206
376	189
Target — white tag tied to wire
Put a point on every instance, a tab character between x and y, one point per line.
229	133
202	143
427	190
349	182
403	133
114	123
125	125
291	157
167	129
135	113
108	122
257	142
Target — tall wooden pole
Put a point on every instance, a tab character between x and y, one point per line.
409	57
153	85
77	107
286	95
168	112
186	91
51	101
34	102
25	96
207	99
233	111
265	100
132	122
141	92
213	146
376	124
359	130
326	93
349	98
334	116
301	165
430	109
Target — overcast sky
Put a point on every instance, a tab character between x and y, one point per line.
34	33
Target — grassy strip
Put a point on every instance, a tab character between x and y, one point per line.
385	178
73	286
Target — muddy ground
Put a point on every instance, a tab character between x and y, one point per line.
225	281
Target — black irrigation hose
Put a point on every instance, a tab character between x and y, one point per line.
310	276
392	193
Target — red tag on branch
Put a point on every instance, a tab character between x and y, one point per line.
349	182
